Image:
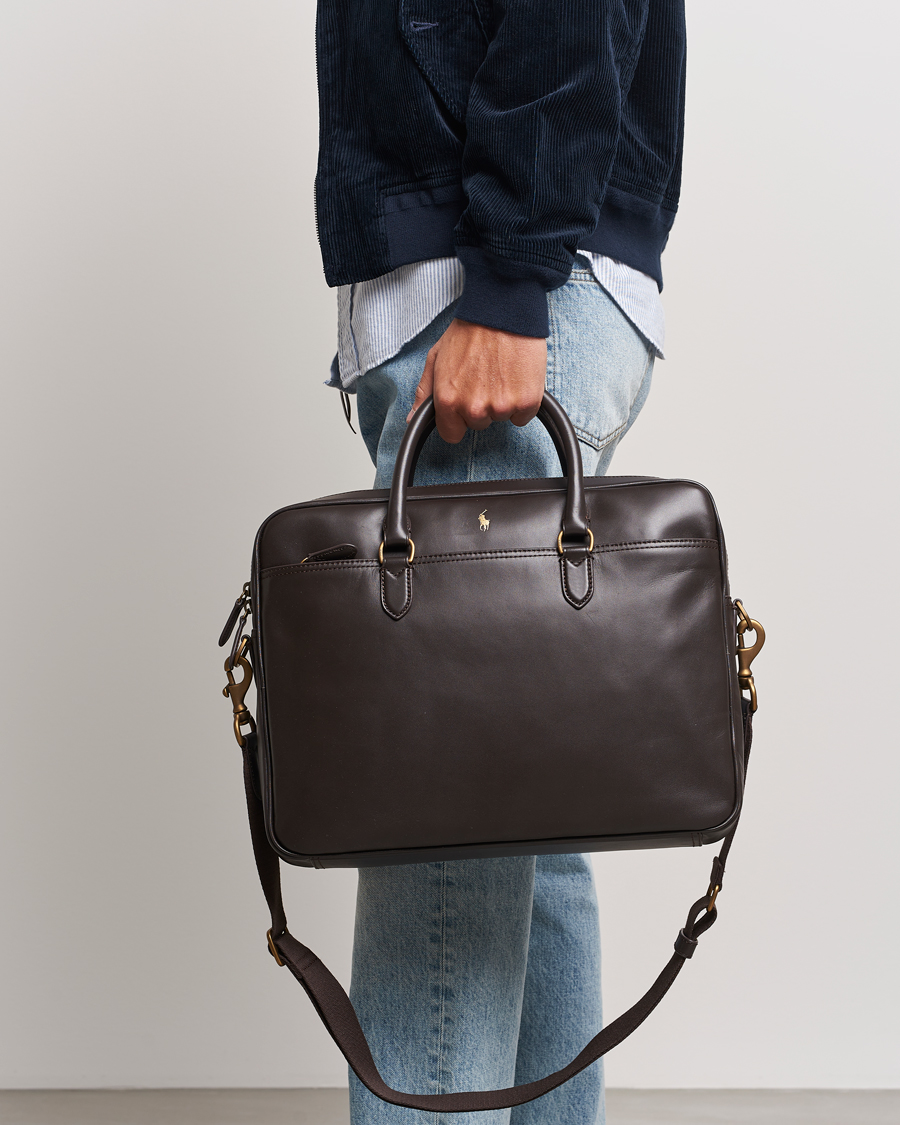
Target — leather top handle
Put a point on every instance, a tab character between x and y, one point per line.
549	425
575	529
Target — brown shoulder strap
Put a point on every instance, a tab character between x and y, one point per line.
336	1011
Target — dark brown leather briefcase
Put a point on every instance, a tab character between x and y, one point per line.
490	669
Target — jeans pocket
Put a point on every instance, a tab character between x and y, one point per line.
598	364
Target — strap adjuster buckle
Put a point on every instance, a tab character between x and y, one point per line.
273	950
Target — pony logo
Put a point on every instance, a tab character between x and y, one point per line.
483	522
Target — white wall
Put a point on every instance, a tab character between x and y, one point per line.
165	334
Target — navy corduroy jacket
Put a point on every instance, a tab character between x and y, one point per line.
508	132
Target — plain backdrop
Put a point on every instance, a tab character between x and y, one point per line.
166	332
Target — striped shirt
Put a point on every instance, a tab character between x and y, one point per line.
376	318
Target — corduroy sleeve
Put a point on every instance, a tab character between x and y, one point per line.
542	126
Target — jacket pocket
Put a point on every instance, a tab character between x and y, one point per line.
448	42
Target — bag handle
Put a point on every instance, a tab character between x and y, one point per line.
336	1012
575	529
549	425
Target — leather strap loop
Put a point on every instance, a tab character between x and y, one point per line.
558	425
685	946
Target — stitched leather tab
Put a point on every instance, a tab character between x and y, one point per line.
576	567
396	588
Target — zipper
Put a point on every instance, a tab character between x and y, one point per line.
318	96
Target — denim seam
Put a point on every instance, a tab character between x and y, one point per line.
596	442
443	986
553	352
601	443
650	359
472	440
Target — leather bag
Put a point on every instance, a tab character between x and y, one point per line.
490	669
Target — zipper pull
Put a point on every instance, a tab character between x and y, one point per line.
236	610
341	551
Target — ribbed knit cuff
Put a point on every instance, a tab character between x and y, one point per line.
502	293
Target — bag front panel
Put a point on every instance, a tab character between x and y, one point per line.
494	714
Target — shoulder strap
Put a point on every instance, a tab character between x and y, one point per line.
336	1011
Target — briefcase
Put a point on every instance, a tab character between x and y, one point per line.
494	668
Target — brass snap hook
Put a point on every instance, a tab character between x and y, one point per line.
237	689
746	655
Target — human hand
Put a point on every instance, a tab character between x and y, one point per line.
480	375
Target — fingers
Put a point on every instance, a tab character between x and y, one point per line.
523	417
451	425
456	412
481	375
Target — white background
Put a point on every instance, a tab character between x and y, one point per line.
165	334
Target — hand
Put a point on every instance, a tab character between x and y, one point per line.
481	375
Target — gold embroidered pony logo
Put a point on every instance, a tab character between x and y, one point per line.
483	522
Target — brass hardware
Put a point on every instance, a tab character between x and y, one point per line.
412	551
712	894
273	950
238	689
559	545
483	522
746	656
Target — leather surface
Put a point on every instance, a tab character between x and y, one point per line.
490	717
336	1011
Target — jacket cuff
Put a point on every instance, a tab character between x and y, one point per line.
506	294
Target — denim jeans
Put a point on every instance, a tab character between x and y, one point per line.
475	974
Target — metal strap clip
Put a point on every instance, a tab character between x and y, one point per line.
238	689
746	656
273	950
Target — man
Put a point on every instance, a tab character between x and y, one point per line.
496	183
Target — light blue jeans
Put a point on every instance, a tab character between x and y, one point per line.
475	974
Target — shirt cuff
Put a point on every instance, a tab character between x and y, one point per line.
506	294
